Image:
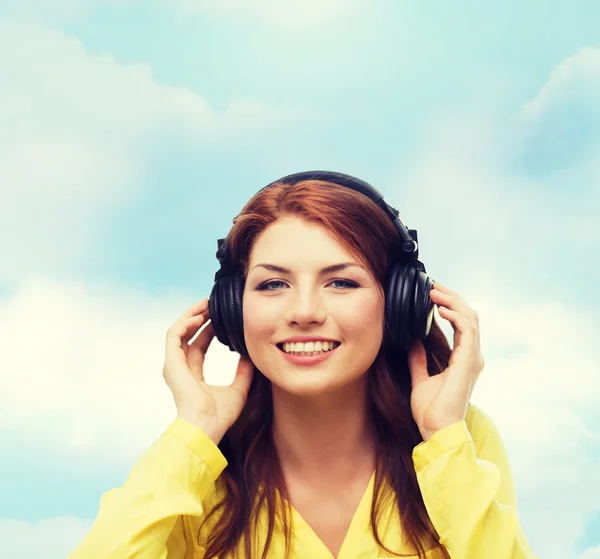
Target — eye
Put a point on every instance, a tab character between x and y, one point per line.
270	285
345	283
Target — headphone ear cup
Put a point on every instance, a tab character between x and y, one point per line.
236	312
225	308
395	315
226	313
231	308
216	312
408	305
422	306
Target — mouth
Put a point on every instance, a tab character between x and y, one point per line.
308	349
305	357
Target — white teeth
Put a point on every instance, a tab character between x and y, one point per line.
308	348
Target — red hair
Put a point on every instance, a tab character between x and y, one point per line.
253	476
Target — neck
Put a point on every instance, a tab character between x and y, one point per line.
331	434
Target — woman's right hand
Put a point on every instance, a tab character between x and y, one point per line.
212	408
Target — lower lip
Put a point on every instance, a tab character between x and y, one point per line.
307	359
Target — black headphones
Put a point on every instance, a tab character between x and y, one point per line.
408	306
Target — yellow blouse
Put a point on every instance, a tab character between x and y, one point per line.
462	470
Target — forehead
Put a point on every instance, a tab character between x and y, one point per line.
290	237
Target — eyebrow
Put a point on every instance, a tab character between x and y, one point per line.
326	270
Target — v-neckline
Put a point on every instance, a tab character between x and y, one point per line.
360	519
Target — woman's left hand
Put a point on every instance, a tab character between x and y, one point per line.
441	400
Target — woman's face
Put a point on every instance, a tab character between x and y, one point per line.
289	293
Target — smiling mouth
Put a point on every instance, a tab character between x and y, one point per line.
317	348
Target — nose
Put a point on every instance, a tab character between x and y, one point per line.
306	307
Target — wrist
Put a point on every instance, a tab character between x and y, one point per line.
428	433
211	426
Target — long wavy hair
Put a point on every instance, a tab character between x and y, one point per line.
253	477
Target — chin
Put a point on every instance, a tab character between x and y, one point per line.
311	384
326	377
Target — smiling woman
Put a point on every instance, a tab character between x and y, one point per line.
348	431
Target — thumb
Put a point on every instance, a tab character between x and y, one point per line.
417	363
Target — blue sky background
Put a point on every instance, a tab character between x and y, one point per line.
132	133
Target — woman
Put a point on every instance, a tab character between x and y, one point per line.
347	431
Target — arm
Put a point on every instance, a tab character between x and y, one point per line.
143	519
467	486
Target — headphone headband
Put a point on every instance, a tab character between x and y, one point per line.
409	244
409	237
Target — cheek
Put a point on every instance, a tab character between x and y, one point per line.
364	318
260	322
259	319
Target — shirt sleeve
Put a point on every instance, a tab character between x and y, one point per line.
143	519
468	491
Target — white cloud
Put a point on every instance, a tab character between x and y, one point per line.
467	172
541	387
592	553
82	367
578	76
288	14
51	538
79	132
559	129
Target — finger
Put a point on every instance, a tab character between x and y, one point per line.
243	375
454	302
466	334
196	351
443	313
441	287
182	331
417	363
175	334
203	340
197	308
193	324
